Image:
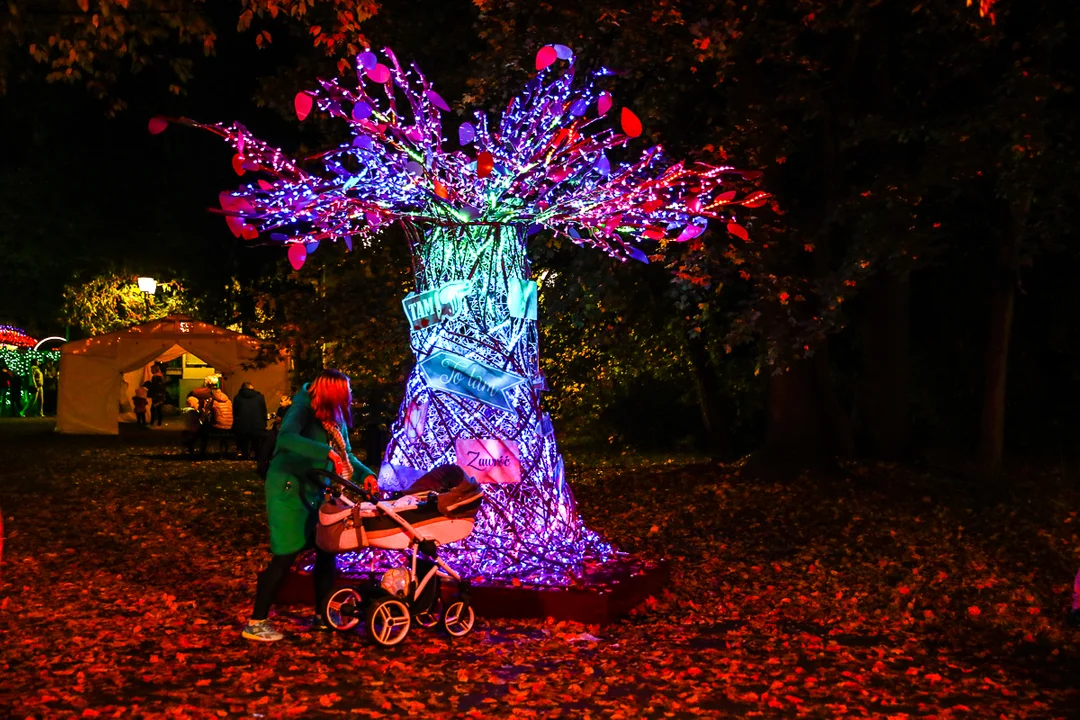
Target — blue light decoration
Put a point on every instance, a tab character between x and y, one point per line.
549	163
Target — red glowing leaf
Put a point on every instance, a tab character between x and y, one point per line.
157	125
303	102
440	190
654	233
380	73
756	200
726	197
652	205
238	164
630	123
738	231
236	225
249	233
265	185
603	103
485	163
297	256
545	57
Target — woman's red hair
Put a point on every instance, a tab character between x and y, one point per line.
331	398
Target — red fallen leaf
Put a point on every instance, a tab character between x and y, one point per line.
631	125
157	125
302	103
202	683
932	677
328	700
238	164
485	163
974	611
738	231
546	57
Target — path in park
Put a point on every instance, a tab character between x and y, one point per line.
887	592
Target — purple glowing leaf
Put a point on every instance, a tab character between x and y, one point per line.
689	233
372	219
603	166
563	52
435	99
297	256
603	103
363	142
466	133
348	242
579	108
311	247
574	233
303	102
361	111
380	73
533	229
546	57
368	61
157	125
414	168
637	254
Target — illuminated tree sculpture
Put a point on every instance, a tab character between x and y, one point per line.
474	395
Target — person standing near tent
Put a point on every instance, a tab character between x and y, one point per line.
140	401
37	380
15	394
157	394
249	419
314	435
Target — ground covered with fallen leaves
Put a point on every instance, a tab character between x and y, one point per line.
875	592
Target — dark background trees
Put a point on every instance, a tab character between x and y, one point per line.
908	290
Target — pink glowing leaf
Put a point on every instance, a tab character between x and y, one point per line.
297	256
380	73
157	125
236	225
303	102
265	185
435	99
689	233
603	103
546	57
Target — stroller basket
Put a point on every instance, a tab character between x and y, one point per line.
443	515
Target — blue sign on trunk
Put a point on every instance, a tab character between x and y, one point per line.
469	378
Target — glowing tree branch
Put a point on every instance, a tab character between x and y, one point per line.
474	396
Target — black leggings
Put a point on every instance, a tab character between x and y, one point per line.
272	578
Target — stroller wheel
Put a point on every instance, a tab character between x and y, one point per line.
343	609
388	621
459	619
429	618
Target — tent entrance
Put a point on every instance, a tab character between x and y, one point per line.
184	371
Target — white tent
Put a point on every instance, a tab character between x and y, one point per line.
98	375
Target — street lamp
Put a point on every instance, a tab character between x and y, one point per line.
148	285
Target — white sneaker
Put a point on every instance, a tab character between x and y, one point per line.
262	631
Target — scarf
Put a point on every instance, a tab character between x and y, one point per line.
337	442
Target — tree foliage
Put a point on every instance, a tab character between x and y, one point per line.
113	301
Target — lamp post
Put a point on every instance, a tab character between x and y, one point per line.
148	285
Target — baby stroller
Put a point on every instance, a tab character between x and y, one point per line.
439	508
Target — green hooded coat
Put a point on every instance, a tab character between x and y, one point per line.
292	502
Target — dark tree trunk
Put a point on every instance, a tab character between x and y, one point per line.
882	408
715	411
999	334
807	424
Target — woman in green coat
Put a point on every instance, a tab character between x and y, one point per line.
314	435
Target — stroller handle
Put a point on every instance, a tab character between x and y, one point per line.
334	477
